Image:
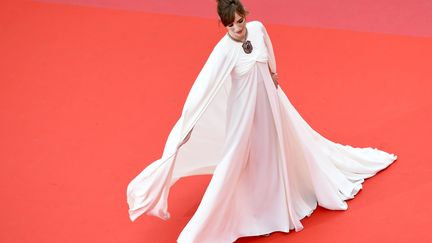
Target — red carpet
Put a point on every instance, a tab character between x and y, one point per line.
88	96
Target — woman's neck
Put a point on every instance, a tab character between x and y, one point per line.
243	38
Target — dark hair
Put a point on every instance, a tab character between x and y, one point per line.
227	9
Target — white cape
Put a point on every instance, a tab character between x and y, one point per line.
313	170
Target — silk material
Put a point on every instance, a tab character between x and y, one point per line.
270	168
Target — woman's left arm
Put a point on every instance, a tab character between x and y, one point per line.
272	59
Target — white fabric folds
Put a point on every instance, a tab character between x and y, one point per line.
270	168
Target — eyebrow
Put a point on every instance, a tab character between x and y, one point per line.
237	20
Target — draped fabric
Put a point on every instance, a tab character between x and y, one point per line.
270	168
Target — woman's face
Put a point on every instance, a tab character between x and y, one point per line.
237	29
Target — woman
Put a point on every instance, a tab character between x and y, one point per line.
270	168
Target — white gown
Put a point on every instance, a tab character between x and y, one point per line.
270	168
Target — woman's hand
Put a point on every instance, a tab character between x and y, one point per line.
275	79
